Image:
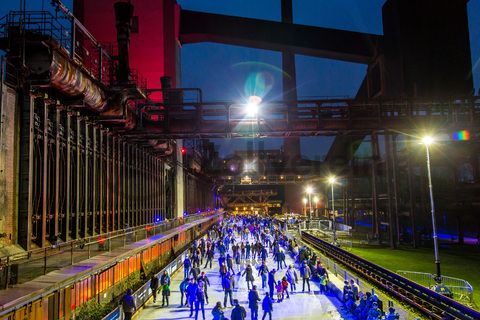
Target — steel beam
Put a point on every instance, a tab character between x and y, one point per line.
299	39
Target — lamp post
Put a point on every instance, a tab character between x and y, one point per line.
427	141
332	181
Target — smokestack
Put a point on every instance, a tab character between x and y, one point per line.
123	17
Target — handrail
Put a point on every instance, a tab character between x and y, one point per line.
431	303
8	259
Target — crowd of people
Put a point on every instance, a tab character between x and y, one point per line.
245	245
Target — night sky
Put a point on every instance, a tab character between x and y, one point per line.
226	72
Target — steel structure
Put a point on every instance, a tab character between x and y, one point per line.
311	118
78	176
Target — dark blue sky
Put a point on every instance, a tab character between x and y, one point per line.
215	68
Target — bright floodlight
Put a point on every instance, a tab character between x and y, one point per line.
428	140
309	190
252	105
332	180
305	201
315	199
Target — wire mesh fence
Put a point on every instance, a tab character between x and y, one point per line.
461	289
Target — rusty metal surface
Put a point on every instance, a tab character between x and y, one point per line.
70	79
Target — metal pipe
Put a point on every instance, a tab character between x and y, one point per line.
123	17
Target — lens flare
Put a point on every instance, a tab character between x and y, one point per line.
462	135
258	84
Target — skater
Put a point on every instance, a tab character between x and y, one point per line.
306	273
248	272
271	282
128	304
154	287
165	294
253	299
267	306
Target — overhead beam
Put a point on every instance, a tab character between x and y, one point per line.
271	35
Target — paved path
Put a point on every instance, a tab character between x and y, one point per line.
299	306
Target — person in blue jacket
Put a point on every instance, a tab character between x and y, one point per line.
186	267
267	306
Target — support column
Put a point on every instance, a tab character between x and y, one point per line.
411	192
393	150
95	178
388	169
75	233
68	198
88	183
375	158
45	176
179	182
289	81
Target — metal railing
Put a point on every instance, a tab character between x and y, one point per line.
26	266
143	294
428	302
461	289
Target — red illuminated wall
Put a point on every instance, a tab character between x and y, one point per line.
153	51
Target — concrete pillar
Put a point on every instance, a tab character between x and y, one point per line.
8	167
179	183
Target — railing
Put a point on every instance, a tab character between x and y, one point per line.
73	38
328	117
25	266
430	303
461	289
143	294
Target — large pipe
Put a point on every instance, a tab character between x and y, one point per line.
123	17
71	80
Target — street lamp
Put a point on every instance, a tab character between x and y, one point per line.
309	191
427	141
252	106
332	180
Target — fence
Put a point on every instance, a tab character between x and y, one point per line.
25	266
143	294
341	273
461	289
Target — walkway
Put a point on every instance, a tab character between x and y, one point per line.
299	306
